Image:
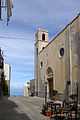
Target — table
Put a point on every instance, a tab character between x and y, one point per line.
54	105
56	109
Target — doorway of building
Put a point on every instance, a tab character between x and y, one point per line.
50	81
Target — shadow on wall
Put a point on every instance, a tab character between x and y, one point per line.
9	111
42	89
66	93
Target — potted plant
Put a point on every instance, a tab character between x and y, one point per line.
44	108
54	94
46	112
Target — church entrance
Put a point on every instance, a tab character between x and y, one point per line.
50	81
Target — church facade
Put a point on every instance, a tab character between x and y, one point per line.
57	62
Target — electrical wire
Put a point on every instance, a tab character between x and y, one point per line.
14	38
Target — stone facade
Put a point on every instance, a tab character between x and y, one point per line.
57	63
32	87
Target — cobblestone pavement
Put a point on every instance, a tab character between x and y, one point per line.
22	108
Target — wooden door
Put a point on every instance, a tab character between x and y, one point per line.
50	88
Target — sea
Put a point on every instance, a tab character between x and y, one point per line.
16	91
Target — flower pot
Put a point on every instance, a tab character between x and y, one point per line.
47	113
6	96
55	98
43	111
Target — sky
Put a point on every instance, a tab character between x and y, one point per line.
18	38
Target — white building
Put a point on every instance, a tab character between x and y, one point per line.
27	89
7	72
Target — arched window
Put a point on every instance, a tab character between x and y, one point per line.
43	36
41	63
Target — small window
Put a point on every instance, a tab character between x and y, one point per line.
41	63
43	36
62	52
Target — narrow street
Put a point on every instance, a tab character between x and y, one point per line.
21	108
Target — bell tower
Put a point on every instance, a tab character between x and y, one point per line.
41	40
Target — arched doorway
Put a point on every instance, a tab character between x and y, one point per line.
50	81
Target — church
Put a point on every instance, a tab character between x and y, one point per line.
57	62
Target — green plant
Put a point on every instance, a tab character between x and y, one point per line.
55	92
4	87
73	96
44	106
